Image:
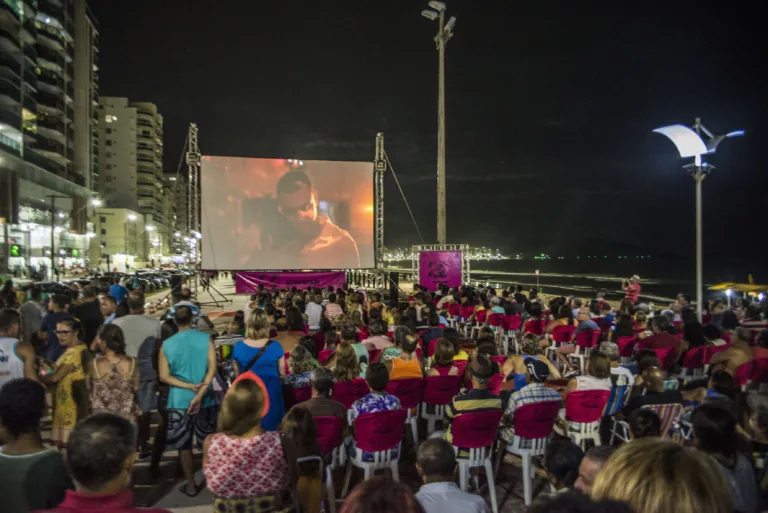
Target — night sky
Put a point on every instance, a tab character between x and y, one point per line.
549	114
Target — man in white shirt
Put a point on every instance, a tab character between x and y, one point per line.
440	494
142	332
314	311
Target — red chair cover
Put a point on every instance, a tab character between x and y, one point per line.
431	347
587	339
563	333
324	355
626	346
440	390
586	405
319	340
347	392
666	356
379	431
512	322
694	358
536	420
461	365
535	326
408	390
475	430
328	433
743	373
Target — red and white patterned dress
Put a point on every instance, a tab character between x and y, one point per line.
239	468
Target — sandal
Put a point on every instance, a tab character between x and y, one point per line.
183	489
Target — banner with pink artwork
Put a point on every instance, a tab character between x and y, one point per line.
247	282
439	268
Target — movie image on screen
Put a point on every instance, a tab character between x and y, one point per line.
281	214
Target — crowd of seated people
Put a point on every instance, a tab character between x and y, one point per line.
227	395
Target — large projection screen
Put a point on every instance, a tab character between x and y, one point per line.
281	214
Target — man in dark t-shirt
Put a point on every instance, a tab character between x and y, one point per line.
321	404
89	313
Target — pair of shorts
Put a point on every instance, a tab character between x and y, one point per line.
182	427
146	397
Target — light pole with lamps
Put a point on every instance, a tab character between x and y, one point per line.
689	143
444	33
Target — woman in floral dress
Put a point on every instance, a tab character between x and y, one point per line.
114	375
70	395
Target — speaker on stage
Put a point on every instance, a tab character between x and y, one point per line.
394	284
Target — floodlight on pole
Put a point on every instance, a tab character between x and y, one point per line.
444	33
438	6
728	295
689	143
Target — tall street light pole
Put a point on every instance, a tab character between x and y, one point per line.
690	143
444	33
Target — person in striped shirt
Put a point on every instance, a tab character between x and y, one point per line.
333	310
477	399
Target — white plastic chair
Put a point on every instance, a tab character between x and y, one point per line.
534	424
476	432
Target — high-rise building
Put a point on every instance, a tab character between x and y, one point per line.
48	51
131	154
131	173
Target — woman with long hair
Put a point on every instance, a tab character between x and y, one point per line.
443	363
114	375
623	327
564	318
347	366
70	397
244	466
659	476
295	320
265	358
300	426
452	336
301	364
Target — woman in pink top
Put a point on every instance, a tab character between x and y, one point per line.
244	466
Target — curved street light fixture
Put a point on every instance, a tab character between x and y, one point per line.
690	143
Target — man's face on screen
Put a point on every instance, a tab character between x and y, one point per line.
299	207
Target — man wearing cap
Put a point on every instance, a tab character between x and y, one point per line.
477	399
632	287
537	373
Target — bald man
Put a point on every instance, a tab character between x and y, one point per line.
653	380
